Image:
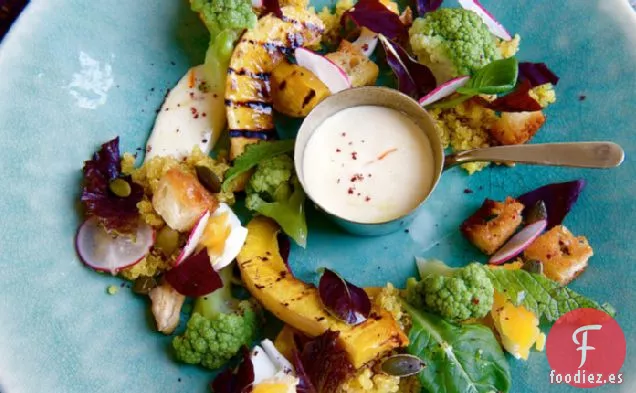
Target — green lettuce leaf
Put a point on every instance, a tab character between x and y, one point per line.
459	358
254	154
539	294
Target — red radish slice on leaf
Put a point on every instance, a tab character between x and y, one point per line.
194	238
518	243
107	253
495	27
334	77
443	90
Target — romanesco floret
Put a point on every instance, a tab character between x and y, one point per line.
220	15
453	42
274	191
272	175
455	294
219	326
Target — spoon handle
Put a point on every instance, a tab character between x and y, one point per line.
573	154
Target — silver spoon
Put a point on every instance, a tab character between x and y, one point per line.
572	154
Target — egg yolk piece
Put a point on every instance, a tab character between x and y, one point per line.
216	233
517	326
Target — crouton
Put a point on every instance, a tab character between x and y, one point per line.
361	70
493	224
180	200
515	128
564	256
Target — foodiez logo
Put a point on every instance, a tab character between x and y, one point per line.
586	348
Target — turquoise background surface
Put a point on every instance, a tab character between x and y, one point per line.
74	74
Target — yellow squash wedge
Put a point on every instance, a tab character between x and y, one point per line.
296	90
298	304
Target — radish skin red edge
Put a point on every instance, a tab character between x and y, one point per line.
443	90
495	27
518	242
334	77
194	237
103	252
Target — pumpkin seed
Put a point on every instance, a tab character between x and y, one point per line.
208	178
120	187
533	266
402	365
143	285
167	240
536	213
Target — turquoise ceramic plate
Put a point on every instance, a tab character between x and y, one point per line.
74	74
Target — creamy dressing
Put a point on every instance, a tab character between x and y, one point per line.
368	164
184	120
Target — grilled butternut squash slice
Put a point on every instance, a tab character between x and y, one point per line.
296	90
298	304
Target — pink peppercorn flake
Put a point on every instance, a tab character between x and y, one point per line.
338	150
354	155
357	177
367	199
350	190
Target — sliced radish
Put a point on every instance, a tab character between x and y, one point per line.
495	27
107	253
518	242
367	41
326	70
443	90
194	238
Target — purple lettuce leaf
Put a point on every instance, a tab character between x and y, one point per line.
414	79
424	6
325	362
304	383
558	198
195	276
344	300
239	382
537	74
115	213
272	6
376	17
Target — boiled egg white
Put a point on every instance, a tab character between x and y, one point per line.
233	242
272	372
186	118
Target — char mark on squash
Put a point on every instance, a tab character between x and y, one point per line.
257	106
263	135
264	76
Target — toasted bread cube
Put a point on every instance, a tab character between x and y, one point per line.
493	224
564	256
361	70
515	128
180	200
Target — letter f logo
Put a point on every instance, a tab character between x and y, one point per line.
583	344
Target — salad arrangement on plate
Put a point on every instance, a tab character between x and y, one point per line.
168	224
